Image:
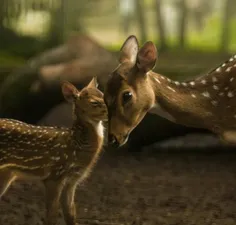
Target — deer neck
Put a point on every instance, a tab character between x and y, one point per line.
87	134
180	102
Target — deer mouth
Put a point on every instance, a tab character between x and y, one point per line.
114	142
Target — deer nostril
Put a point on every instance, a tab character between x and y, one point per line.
113	141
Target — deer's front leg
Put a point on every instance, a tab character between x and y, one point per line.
68	203
6	178
53	192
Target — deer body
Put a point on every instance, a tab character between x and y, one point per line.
62	158
134	89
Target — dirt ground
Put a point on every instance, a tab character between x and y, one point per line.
162	185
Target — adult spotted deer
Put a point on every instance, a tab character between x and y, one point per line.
62	158
207	102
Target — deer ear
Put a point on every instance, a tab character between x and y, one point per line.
147	57
69	91
129	50
93	83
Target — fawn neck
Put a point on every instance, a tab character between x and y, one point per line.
82	129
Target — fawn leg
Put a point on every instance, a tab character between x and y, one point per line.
53	193
6	179
68	204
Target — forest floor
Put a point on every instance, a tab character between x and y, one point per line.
162	186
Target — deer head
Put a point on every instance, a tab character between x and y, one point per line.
87	103
128	94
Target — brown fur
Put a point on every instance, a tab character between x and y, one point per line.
62	158
207	102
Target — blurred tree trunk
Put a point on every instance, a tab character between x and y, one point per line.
4	4
57	25
141	20
225	35
160	24
183	11
66	19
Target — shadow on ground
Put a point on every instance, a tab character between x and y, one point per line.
163	184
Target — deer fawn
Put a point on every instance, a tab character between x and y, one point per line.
62	158
133	90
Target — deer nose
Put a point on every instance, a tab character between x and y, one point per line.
113	141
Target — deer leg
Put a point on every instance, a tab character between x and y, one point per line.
6	179
53	193
68	203
229	137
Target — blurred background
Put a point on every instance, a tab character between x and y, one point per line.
43	41
30	26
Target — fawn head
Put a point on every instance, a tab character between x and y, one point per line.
129	94
87	103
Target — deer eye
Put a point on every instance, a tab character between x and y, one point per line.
126	97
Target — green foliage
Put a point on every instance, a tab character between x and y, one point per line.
209	38
8	60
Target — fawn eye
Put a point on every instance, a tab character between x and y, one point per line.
95	103
126	97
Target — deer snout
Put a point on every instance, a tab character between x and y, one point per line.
117	141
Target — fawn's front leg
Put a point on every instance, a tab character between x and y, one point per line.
7	176
68	203
53	193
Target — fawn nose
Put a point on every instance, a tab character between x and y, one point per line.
113	141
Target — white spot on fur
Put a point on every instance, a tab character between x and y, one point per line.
213	102
215	87
231	59
157	80
228	69
184	84
230	94
226	88
221	94
206	94
231	79
192	83
203	81
214	79
223	65
218	70
168	79
170	88
193	95
56	158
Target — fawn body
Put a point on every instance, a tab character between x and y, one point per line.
62	158
133	90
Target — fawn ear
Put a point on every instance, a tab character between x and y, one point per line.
147	57
69	91
93	83
129	50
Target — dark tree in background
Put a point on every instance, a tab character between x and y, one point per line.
161	32
228	12
182	22
141	20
